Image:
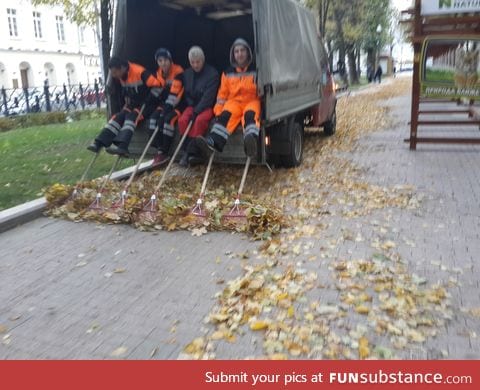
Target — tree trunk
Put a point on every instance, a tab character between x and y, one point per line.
352	65
359	65
322	16
371	57
341	46
106	18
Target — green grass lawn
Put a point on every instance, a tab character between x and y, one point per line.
34	158
438	75
363	81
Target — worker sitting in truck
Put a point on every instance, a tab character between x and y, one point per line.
137	83
237	101
164	112
201	85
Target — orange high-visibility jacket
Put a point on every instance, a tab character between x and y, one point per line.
237	84
138	83
172	85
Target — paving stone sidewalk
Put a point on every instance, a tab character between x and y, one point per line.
79	290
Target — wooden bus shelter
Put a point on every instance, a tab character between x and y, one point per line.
446	111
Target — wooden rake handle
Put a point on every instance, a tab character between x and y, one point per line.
170	163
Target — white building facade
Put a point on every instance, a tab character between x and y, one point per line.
39	44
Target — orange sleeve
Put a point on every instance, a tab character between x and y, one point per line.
222	95
176	91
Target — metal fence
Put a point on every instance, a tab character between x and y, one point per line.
19	101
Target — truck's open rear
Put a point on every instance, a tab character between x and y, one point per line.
288	52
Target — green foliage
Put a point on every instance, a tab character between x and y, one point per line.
438	75
48	118
354	22
98	113
82	12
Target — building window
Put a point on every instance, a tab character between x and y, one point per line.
81	34
12	22
60	29
37	25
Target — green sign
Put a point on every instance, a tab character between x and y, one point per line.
439	7
451	68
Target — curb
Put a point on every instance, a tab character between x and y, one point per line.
27	212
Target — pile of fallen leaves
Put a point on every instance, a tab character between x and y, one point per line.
171	210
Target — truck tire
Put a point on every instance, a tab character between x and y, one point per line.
295	139
330	127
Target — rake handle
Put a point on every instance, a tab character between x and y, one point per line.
207	174
244	177
170	163
107	178
89	166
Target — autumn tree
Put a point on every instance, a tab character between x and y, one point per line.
349	26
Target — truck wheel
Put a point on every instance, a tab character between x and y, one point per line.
330	127
295	139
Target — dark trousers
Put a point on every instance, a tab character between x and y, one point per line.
120	128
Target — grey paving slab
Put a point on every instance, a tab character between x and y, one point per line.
60	296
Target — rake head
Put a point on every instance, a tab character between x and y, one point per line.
74	194
236	213
150	208
97	205
198	210
121	202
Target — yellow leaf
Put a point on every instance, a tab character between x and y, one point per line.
195	346
112	216
258	325
278	356
362	309
218	317
290	312
282	296
363	349
388	245
309	317
415	336
393	329
295	351
218	335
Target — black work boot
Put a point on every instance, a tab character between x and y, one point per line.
206	145
119	150
95	147
195	160
250	143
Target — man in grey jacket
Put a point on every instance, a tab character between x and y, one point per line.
200	83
